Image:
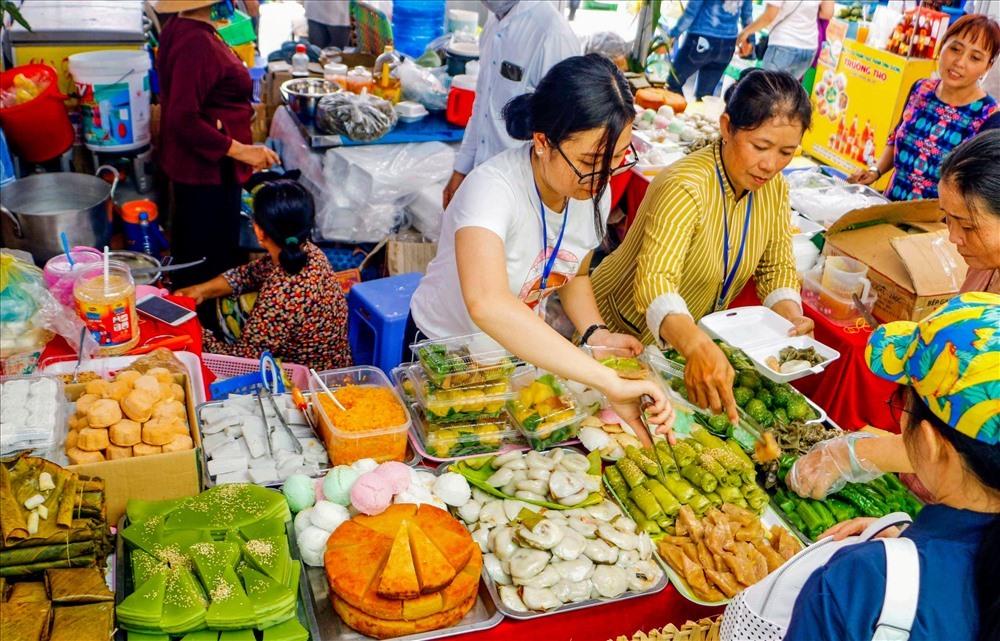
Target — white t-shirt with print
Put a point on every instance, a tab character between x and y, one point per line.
798	28
500	196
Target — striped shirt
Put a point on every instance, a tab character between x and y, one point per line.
671	259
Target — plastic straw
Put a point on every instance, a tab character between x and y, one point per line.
107	268
65	244
327	389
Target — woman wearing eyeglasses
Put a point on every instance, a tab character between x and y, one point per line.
708	224
525	224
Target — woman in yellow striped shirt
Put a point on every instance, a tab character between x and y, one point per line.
708	224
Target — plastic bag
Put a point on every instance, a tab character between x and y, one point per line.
824	200
610	44
30	316
361	117
366	189
429	87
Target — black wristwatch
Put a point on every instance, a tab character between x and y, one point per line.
590	332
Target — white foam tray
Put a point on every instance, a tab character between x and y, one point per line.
760	333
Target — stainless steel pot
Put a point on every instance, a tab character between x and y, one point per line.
303	94
34	211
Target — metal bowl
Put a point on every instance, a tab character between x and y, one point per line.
303	94
138	260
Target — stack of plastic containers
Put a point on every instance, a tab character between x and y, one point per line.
459	389
415	23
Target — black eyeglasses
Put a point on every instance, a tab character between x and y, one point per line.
630	160
897	404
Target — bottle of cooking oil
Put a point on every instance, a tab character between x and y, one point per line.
386	75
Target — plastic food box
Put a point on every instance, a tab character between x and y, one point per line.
760	333
841	311
454	440
622	360
459	404
460	361
377	442
32	414
802	226
557	427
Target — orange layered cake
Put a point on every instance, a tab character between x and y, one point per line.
404	571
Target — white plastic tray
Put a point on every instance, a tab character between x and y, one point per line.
108	367
760	333
806	227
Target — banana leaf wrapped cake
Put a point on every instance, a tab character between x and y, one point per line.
50	518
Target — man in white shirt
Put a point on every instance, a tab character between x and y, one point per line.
329	22
520	42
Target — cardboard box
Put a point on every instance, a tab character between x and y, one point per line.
151	478
912	265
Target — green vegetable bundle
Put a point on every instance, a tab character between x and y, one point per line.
877	498
712	472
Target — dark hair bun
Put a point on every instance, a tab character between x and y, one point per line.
517	117
285	211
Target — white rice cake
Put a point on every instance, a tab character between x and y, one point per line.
264	474
232	477
222	466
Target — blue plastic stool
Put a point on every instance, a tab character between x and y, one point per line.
378	312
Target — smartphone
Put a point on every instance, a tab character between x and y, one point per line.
163	310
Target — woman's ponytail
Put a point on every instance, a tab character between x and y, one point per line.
292	256
285	212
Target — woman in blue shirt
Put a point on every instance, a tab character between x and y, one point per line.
949	364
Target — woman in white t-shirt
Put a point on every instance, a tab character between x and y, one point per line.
525	224
793	35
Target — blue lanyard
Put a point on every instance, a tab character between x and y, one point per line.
547	269
730	275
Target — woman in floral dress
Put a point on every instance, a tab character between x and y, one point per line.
941	112
300	313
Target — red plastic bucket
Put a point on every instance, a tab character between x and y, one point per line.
37	130
460	99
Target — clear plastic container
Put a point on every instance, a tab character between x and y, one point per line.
623	361
33	412
356	433
839	309
453	440
460	361
459	404
336	72
359	79
544	409
107	306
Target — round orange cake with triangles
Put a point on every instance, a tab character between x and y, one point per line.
410	569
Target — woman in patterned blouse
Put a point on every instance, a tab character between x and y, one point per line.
941	112
300	314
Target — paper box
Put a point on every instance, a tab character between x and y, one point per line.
912	265
151	478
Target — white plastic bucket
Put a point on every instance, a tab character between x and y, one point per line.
114	94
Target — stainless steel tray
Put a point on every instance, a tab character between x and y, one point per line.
491	586
124	587
329	627
413	456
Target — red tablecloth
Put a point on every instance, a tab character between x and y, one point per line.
149	330
848	391
602	623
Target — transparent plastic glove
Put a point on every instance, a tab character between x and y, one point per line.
829	466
